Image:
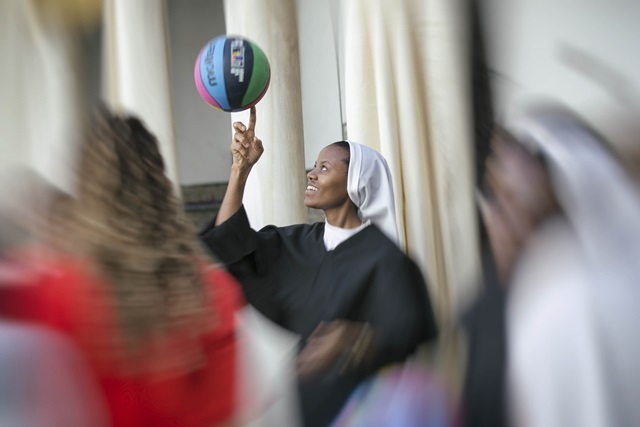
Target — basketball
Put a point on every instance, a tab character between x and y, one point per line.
231	73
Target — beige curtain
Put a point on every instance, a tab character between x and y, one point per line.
136	68
405	94
275	191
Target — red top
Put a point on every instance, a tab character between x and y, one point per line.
71	300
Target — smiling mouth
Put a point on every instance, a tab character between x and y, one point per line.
311	188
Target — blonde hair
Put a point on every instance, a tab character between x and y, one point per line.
128	220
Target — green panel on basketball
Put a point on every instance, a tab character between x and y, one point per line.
231	73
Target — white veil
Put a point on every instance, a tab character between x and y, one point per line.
370	188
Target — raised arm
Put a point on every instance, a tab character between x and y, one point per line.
246	150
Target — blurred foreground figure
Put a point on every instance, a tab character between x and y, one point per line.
128	284
563	221
44	380
404	395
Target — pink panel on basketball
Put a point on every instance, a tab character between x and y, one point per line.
200	86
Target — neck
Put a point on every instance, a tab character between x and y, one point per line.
343	217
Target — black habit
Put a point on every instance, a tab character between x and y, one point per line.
289	276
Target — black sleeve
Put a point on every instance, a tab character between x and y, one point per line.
246	253
483	392
400	312
232	240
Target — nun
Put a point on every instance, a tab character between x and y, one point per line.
356	300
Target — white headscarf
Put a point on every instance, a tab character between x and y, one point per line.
370	188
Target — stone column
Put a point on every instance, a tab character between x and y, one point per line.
275	190
137	70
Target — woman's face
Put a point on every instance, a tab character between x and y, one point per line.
327	181
518	179
522	191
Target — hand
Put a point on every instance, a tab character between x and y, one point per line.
325	345
246	148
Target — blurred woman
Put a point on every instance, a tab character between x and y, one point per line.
133	290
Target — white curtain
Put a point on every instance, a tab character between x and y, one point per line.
405	95
136	68
275	190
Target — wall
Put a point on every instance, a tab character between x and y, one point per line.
203	134
319	76
581	52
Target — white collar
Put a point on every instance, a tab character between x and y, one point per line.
333	235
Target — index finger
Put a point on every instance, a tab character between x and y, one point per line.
252	118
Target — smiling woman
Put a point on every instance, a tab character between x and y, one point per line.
358	302
327	182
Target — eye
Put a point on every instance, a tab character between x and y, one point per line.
323	167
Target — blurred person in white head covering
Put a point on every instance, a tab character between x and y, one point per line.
343	285
563	221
